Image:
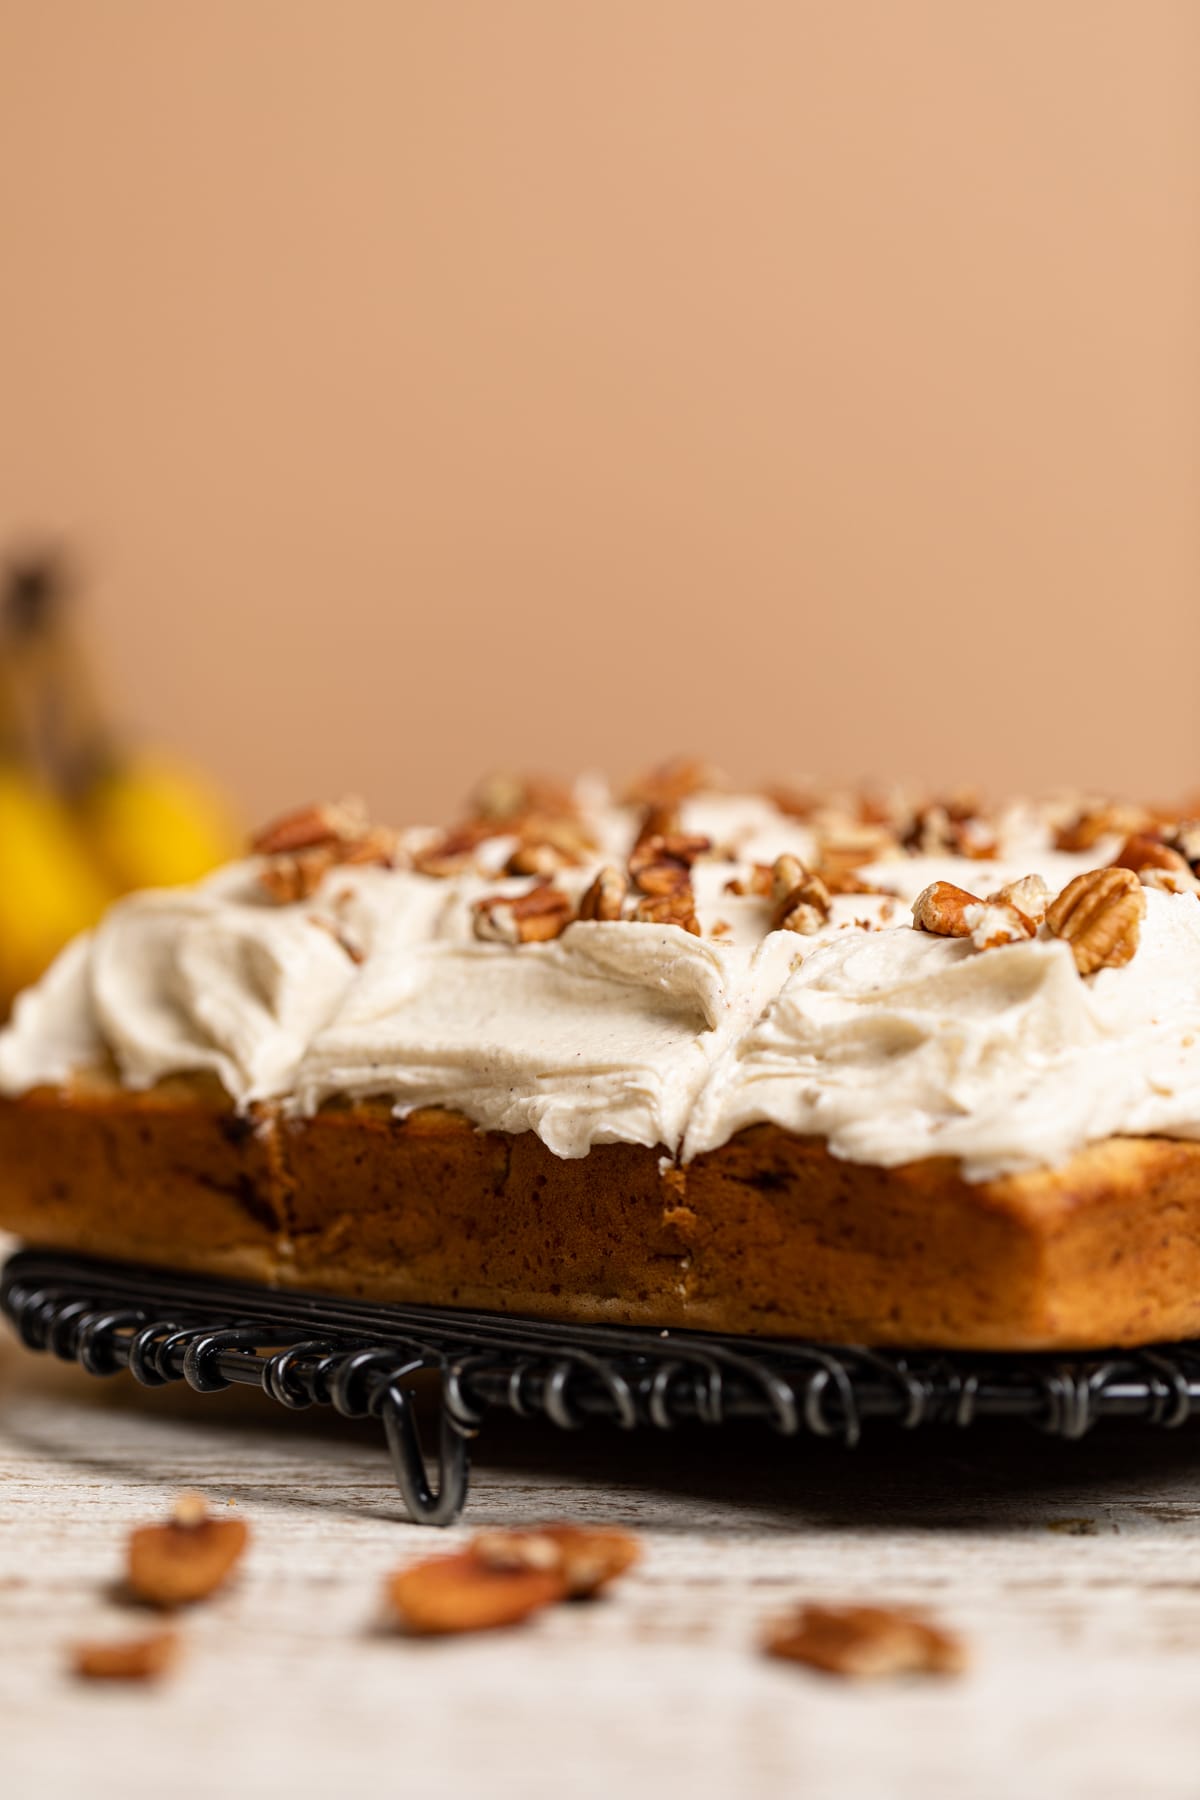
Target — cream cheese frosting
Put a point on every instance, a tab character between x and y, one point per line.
888	1042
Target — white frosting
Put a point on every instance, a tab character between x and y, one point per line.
889	1043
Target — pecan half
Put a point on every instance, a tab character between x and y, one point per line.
1100	915
533	918
605	898
466	1592
188	1557
453	853
866	1642
587	1558
128	1659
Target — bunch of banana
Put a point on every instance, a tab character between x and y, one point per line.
82	818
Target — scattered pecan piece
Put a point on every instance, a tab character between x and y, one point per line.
464	1592
548	845
188	1557
340	937
533	918
866	1641
587	1558
676	908
127	1659
942	909
1100	915
605	898
801	900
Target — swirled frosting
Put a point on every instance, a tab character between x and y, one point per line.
889	1043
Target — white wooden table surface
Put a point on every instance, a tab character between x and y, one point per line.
1074	1571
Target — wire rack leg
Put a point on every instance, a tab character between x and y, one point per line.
426	1506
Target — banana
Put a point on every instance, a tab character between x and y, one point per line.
150	823
49	887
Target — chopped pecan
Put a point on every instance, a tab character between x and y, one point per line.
503	798
465	1592
672	782
548	845
532	918
952	827
301	848
453	853
1029	895
843	846
942	909
995	922
759	882
1158	864
587	1558
1098	819
605	898
676	908
1185	837
188	1557
128	1659
866	1641
659	865
335	822
1100	915
801	900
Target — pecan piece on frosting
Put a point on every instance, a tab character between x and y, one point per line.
942	909
949	911
1100	915
675	908
1029	895
673	781
1157	863
605	898
533	918
662	863
801	901
301	847
866	1641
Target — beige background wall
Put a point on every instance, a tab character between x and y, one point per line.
429	384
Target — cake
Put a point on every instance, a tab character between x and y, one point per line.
852	1067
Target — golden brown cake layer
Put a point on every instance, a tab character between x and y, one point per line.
769	1234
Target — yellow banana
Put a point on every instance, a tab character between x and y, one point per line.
152	824
49	887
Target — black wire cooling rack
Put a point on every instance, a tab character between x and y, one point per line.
305	1349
